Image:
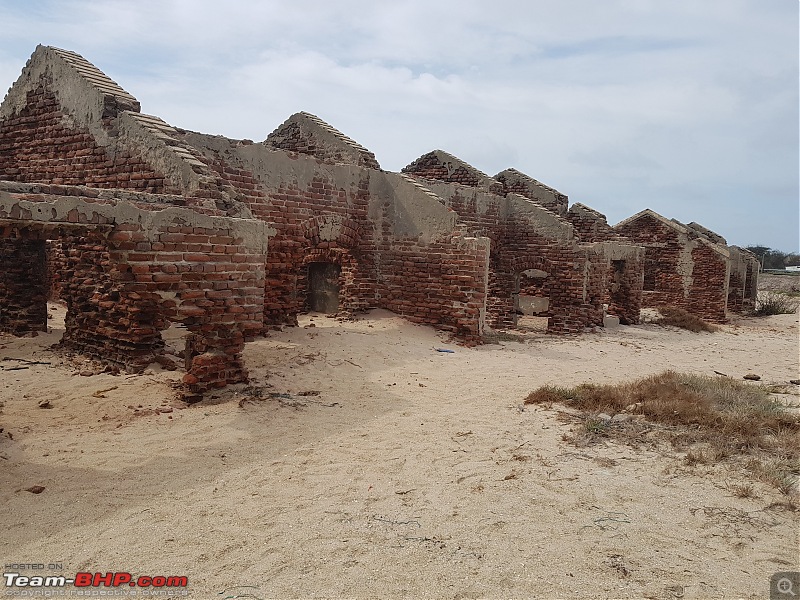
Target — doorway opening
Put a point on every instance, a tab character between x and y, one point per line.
531	300
323	287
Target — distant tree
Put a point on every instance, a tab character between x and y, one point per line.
774	259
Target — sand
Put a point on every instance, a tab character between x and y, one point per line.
360	462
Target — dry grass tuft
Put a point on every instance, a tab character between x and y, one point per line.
743	490
713	418
678	317
775	303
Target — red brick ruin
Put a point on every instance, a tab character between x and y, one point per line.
135	225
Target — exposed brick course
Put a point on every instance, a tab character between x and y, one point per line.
590	225
36	145
125	278
441	166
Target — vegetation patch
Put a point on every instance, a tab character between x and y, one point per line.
712	419
775	303
678	317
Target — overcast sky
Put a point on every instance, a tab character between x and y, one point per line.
687	107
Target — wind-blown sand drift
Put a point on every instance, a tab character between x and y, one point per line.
361	462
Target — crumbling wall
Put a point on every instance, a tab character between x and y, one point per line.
430	269
129	272
617	281
682	268
708	292
41	144
55	267
64	122
440	284
395	243
743	280
538	239
590	225
524	235
318	212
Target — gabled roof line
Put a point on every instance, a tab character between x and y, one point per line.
332	130
677	226
416	183
582	207
95	76
529	179
447	157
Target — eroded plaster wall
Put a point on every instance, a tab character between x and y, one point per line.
381	228
524	235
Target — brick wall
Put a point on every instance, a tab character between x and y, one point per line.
743	280
56	262
590	225
127	274
320	216
347	215
307	134
530	238
524	248
441	166
438	284
735	291
36	145
319	220
708	293
618	280
681	268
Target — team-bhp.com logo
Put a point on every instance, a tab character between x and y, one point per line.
95	580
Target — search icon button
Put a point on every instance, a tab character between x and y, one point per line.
785	586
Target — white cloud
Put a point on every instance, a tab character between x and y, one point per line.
687	107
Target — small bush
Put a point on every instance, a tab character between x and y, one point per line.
678	317
772	303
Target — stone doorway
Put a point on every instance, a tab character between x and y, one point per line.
323	287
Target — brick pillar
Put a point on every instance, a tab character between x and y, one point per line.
213	360
23	286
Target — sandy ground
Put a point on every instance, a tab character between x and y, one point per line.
361	462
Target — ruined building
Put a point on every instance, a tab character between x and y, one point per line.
691	267
535	253
136	225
